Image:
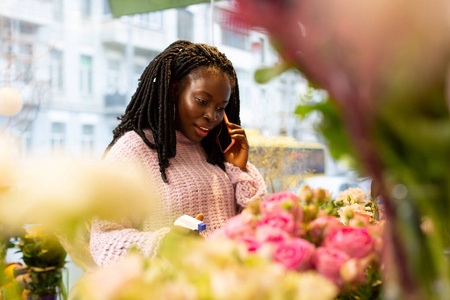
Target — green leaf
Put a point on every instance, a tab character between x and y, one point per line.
264	75
131	7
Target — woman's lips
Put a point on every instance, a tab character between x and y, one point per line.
202	131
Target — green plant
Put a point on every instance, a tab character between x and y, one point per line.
45	259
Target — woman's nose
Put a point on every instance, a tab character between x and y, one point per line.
211	115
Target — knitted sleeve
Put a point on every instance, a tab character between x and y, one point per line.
248	185
110	240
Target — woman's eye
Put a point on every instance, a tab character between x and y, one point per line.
201	101
221	108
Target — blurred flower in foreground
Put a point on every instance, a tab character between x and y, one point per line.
385	66
355	46
199	269
64	195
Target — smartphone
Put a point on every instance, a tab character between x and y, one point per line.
225	140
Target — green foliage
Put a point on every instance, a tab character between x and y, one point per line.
410	137
331	127
370	290
44	257
264	75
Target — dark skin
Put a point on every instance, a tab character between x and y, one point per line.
238	153
201	98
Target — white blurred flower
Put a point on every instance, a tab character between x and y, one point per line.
346	213
356	195
64	194
106	283
313	286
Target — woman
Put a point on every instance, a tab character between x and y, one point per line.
171	128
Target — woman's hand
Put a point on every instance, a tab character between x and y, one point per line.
238	153
187	231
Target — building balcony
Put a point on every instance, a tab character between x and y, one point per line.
117	34
38	12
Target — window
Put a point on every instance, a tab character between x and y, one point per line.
106	7
244	79
234	39
27	28
86	74
56	69
233	33
113	76
58	10
153	19
138	70
26	139
24	62
185	25
85	8
58	137
87	140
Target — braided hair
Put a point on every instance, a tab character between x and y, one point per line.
152	107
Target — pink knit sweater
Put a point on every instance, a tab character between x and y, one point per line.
195	186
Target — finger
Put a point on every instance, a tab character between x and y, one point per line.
200	217
225	118
238	137
237	131
233	126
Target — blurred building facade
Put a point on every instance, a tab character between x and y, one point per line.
77	67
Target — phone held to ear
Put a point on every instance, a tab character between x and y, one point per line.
225	140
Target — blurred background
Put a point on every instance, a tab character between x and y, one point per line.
76	68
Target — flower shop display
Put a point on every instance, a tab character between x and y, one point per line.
285	247
310	232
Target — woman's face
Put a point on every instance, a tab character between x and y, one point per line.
201	98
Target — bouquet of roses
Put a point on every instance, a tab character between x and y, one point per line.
337	239
189	267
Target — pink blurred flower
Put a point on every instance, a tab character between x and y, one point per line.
238	225
279	201
328	262
283	220
356	242
266	233
294	254
250	240
323	226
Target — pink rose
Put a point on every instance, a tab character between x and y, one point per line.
328	262
283	220
251	242
279	201
266	233
294	254
356	242
323	226
238	225
281	197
